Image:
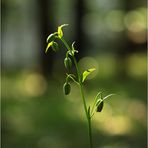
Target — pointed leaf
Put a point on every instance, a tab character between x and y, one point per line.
108	96
51	37
86	73
96	100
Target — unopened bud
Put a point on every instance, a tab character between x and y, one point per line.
68	63
66	88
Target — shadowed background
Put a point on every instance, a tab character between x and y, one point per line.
110	36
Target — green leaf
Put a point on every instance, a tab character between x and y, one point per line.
108	96
86	73
60	32
96	100
49	44
51	37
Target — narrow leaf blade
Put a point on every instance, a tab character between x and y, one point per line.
108	96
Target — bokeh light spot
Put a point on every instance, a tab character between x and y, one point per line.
137	110
137	65
114	20
107	66
135	21
114	125
35	84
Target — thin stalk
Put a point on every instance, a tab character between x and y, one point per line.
82	92
90	132
83	98
65	43
81	87
85	108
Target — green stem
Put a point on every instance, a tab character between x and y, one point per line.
82	92
90	132
83	98
65	43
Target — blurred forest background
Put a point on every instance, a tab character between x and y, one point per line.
111	36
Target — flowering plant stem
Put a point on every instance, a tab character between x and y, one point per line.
78	79
82	92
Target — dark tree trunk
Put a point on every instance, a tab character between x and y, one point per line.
45	28
127	47
80	11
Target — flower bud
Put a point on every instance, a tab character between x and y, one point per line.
100	106
66	88
68	63
55	46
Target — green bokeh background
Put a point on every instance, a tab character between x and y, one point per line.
36	114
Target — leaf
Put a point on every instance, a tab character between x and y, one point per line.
108	96
51	37
96	100
86	73
60	32
49	44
